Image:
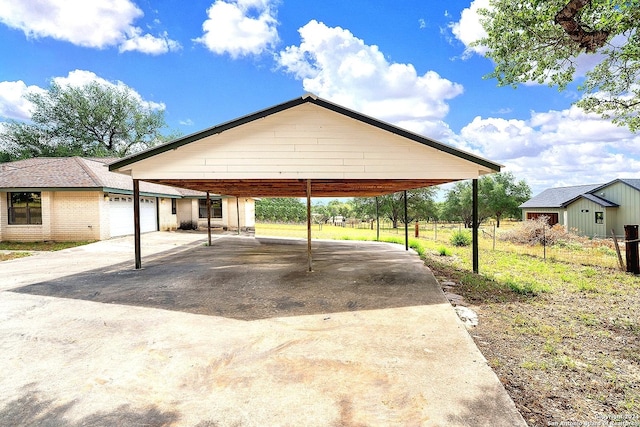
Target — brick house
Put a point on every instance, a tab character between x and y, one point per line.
73	198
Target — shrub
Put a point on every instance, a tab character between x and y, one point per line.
526	288
461	238
604	250
537	231
444	251
188	225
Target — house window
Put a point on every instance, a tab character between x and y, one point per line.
599	217
25	208
174	206
216	208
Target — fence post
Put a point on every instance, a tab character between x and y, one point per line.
494	236
615	242
631	248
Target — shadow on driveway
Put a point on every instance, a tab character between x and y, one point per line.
249	279
33	410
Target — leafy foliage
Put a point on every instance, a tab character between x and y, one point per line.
461	238
444	251
503	195
420	206
94	120
499	196
285	209
332	209
541	41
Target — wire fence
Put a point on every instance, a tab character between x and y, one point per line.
597	252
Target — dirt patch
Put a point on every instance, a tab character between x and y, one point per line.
565	356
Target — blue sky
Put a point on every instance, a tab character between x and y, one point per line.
406	62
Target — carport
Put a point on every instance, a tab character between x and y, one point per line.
304	147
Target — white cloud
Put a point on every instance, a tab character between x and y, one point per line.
334	64
469	29
94	24
556	148
149	44
14	106
240	27
12	102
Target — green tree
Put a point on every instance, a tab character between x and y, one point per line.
458	204
541	40
281	209
320	213
420	206
337	208
93	120
499	196
503	195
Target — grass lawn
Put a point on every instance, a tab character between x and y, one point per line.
24	249
560	326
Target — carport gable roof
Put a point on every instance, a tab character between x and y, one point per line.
273	152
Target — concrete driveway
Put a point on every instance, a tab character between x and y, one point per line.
237	334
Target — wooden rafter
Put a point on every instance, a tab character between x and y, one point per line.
298	187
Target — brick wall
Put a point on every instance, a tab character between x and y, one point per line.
66	216
168	221
105	218
75	215
25	233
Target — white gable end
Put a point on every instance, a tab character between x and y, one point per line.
306	142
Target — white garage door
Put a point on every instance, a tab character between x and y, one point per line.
121	214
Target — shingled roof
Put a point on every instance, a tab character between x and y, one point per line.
562	197
558	197
77	173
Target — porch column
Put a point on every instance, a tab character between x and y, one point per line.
136	223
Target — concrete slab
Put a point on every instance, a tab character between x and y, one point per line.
238	334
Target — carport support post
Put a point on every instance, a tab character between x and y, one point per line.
238	213
208	218
377	220
406	225
474	219
136	223
309	224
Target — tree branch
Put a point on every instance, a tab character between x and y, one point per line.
588	40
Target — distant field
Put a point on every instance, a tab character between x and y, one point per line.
432	237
